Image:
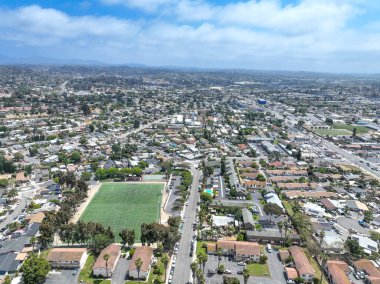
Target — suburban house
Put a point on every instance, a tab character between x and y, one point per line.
145	253
105	268
248	222
67	257
239	250
337	272
367	266
21	178
272	236
301	263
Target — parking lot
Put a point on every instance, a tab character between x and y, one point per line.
173	195
275	268
62	277
351	223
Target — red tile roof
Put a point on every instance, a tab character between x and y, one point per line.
113	251
145	254
301	261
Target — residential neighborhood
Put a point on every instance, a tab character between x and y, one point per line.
137	175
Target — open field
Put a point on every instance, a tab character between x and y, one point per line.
125	205
349	127
333	132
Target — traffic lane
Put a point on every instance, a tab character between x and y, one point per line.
182	269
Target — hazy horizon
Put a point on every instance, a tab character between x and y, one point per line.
328	36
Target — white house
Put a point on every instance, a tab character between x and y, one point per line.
313	209
105	268
144	253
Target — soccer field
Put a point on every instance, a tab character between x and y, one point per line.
125	205
333	132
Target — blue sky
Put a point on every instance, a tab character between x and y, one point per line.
310	35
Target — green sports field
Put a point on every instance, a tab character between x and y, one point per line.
333	132
125	205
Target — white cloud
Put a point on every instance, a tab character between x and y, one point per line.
145	5
253	34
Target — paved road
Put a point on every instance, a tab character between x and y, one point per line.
357	161
182	269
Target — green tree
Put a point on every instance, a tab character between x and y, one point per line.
368	216
263	259
354	248
165	261
272	209
221	269
83	140
193	267
220	254
34	269
375	236
206	198
18	156
329	121
246	275
354	131
130	237
75	157
202	259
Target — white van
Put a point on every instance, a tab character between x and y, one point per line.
269	248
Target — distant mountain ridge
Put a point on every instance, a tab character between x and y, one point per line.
37	60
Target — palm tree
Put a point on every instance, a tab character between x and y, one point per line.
280	226
106	257
321	237
138	264
193	267
199	274
33	241
202	259
220	253
165	260
286	228
246	275
323	262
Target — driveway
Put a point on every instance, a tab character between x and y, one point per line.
120	272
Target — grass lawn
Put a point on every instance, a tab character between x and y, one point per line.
259	270
349	127
288	207
333	132
125	205
200	248
86	273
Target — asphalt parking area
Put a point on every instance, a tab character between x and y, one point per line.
349	223
62	277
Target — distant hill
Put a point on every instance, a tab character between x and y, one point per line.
5	60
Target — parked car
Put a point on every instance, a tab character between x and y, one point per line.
241	264
227	271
